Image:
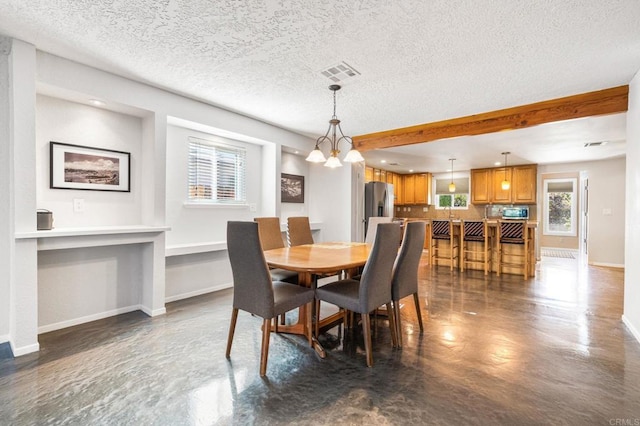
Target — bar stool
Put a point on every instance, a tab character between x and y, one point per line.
443	230
513	232
475	231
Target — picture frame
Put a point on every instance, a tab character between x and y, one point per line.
88	168
291	188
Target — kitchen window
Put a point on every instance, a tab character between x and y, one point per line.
459	199
216	173
560	205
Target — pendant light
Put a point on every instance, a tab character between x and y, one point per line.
316	156
452	186
505	183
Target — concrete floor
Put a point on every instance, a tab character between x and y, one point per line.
551	350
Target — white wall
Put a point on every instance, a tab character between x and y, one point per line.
606	191
631	315
69	280
6	206
295	165
73	123
330	200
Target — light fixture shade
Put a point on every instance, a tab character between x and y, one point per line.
506	185
333	162
452	187
353	156
316	156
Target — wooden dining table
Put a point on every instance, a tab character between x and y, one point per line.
311	260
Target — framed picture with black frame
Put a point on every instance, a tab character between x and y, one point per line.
88	168
291	188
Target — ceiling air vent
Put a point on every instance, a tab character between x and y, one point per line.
340	72
590	144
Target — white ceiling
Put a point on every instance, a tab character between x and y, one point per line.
418	61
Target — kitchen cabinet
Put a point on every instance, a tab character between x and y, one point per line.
368	174
383	176
486	185
523	184
376	175
417	188
481	186
409	189
398	188
422	188
390	176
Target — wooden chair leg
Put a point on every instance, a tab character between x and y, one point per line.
317	325
366	331
416	300
392	325
264	353
396	313
232	329
309	320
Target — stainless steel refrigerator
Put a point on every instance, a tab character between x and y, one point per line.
378	201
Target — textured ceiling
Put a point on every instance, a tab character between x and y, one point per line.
418	61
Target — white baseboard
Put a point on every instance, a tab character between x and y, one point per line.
4	339
23	350
198	292
88	318
607	265
153	312
631	328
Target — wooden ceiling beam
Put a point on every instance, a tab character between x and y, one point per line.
601	102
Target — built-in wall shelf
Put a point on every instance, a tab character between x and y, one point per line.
66	238
193	248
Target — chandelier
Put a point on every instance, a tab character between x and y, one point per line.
316	156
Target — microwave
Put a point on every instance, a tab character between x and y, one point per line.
519	213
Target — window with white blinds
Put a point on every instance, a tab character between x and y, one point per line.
216	172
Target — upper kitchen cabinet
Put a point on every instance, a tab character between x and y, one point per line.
368	174
422	188
409	189
481	186
398	188
486	185
523	184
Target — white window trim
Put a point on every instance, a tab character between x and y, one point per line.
573	232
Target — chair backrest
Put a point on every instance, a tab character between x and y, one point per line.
372	227
474	230
299	231
375	282
441	229
269	231
404	280
512	231
252	287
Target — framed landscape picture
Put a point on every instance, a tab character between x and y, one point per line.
292	188
83	167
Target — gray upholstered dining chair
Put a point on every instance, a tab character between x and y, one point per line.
404	281
253	289
374	287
